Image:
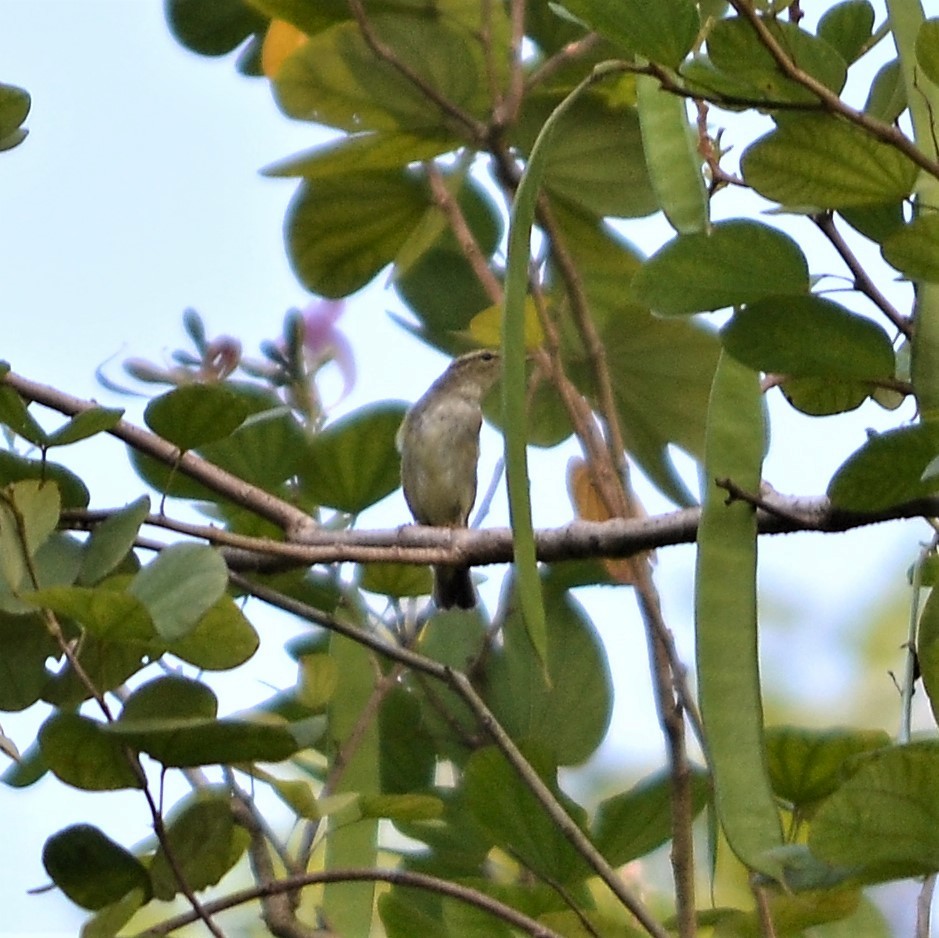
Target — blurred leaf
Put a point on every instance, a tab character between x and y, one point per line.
807	336
342	230
204	841
876	222
847	27
485	327
569	716
881	821
84	425
170	697
807	765
212	27
180	586
515	820
222	639
396	579
14	109
91	869
633	823
887	470
15	468
887	98
726	621
29	513
109	920
105	664
281	40
111	540
736	50
82	755
27	770
927	49
402	807
408	754
736	262
108	614
354	462
196	414
25	644
927	649
661	31
15	414
824	162
319	677
914	248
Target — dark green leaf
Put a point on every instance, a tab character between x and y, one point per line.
568	718
28	770
737	262
914	248
15	468
212	27
887	470
78	751
807	765
807	336
825	162
25	644
106	664
660	31
15	415
635	822
876	222
170	697
204	841
86	424
882	821
196	414
91	869
342	230
408	755
180	586
111	540
847	27
354	463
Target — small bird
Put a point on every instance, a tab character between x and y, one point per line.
439	445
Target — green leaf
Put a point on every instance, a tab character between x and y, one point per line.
72	490
109	542
876	222
726	621
204	841
105	664
824	162
396	579
25	644
807	336
14	109
882	821
927	49
887	470
82	755
335	79
91	869
847	27
222	639
108	614
403	807
86	424
887	98
196	414
516	821
408	756
354	463
672	157
342	230
563	705
362	153
736	50
29	513
213	28
736	262
660	31
15	414
170	697
914	248
927	649
180	586
633	823
822	397
806	765
108	921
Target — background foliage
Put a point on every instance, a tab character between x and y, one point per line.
451	726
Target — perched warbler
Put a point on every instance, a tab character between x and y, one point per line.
439	445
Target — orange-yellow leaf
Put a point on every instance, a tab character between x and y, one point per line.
281	40
485	328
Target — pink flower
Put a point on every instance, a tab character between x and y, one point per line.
324	342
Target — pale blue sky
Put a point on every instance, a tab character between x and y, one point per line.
136	195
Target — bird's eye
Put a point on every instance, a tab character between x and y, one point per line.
488	356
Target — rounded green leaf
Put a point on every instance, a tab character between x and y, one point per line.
72	490
222	639
807	336
736	262
822	397
170	697
847	27
927	49
807	765
82	755
887	470
914	249
824	162
196	414
396	579
354	462
109	542
342	230
883	822
86	424
180	586
887	98
91	869
14	108
212	28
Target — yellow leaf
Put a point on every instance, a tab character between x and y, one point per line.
485	328
282	39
